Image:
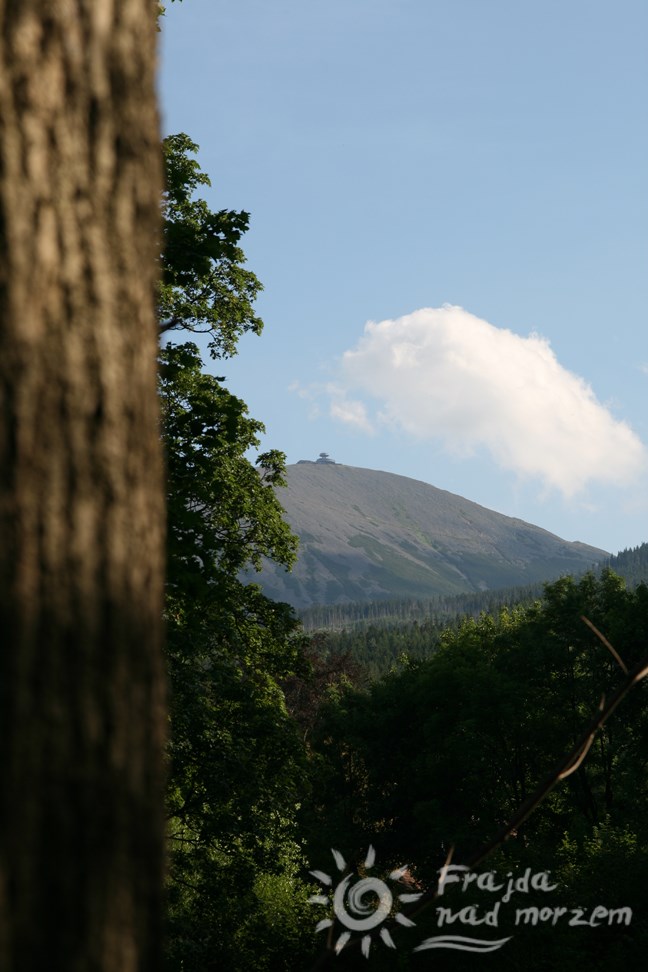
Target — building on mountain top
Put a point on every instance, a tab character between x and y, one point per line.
323	458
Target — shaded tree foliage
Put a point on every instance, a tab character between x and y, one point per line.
237	766
443	751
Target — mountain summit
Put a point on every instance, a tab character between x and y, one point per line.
366	535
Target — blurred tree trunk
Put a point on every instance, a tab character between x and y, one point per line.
81	490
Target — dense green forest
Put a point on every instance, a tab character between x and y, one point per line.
440	752
411	737
631	564
376	634
394	611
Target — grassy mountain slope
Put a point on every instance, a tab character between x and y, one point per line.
367	535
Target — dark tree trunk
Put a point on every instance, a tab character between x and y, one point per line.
81	493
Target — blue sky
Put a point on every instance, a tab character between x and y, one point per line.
449	214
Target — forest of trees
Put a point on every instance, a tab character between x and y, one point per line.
377	633
398	611
631	564
412	738
442	751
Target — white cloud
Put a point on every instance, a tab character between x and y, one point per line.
443	374
350	411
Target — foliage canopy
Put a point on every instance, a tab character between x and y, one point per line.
205	287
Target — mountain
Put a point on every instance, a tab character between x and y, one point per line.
367	535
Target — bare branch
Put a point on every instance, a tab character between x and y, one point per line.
563	768
579	759
607	644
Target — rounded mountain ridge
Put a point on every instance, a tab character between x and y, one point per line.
366	535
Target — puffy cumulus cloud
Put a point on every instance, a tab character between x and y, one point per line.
444	374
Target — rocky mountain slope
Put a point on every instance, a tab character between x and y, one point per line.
367	535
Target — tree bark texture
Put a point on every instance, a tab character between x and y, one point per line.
81	489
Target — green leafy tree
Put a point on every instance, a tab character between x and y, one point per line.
205	287
236	761
442	752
